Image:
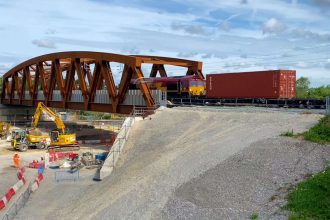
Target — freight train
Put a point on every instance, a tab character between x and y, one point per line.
274	88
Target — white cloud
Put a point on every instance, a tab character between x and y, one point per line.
301	64
50	32
44	43
195	29
187	54
273	26
207	55
303	33
284	9
327	64
4	68
190	29
135	28
131	51
225	25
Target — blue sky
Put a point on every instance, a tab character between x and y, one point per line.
228	36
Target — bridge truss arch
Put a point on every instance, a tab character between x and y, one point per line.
77	80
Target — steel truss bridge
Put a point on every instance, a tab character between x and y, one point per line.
84	81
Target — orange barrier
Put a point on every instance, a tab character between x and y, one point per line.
17	160
12	191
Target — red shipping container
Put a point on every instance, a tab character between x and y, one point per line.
261	84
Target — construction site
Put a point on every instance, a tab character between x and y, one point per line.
76	146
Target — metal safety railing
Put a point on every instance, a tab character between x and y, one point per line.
120	140
327	104
18	204
116	148
122	137
67	175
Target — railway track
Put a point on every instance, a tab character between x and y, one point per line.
257	102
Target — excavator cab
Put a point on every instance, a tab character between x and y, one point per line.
54	135
59	140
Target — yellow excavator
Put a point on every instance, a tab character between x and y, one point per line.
59	138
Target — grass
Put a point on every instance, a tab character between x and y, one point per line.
320	133
254	216
288	134
311	198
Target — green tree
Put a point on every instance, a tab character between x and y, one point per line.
303	82
319	93
302	85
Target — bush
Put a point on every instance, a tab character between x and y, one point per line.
320	133
254	216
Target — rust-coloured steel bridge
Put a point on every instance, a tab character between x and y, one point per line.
84	81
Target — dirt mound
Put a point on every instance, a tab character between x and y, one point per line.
37	132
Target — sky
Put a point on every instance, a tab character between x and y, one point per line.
228	36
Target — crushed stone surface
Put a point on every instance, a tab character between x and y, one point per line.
192	164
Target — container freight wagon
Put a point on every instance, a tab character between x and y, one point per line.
272	84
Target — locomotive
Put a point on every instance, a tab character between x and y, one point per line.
176	86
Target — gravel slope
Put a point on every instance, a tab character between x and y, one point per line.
256	179
172	149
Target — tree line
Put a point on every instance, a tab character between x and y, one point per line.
306	92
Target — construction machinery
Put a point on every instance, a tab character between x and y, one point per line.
59	138
21	140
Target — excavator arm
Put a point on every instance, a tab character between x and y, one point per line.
41	108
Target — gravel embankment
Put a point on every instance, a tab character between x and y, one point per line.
255	180
165	157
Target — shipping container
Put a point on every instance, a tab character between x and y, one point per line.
272	84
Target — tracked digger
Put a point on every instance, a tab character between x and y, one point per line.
58	138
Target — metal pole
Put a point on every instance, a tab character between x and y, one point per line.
326	105
113	159
125	132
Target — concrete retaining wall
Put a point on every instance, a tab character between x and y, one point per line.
117	147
